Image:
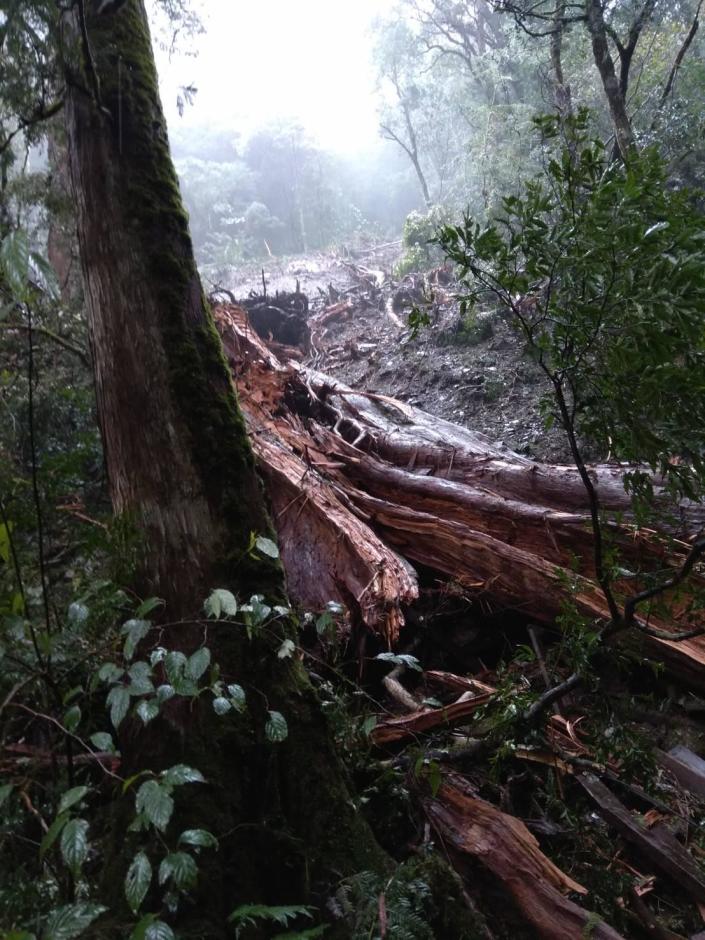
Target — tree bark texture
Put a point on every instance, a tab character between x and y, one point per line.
182	475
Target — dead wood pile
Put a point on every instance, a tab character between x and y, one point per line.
363	489
364	486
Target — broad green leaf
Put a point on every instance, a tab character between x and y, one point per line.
180	773
70	921
174	664
286	650
198	837
52	834
165	692
159	931
276	728
71	797
237	696
157	656
103	741
140	674
148	605
74	844
153	799
147	710
266	546
135	631
181	868
221	602
137	881
5	791
221	706
198	663
118	701
109	672
151	928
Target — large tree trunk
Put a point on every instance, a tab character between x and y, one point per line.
183	478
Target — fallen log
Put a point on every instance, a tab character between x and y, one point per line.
503	845
362	485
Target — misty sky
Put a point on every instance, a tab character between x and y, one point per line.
264	59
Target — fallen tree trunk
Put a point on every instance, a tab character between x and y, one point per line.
471	826
362	484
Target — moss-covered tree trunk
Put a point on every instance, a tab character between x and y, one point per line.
182	473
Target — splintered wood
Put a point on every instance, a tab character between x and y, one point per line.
362	486
470	826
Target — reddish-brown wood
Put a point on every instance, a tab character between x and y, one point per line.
363	484
503	845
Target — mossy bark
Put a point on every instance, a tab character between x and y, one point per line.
180	465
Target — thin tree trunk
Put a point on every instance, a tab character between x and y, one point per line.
610	83
182	476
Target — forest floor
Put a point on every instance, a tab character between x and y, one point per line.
474	372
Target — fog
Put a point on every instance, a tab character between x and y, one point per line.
259	62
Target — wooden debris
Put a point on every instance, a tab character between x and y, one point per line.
504	845
362	485
396	729
657	844
686	767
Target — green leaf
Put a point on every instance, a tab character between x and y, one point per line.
237	696
137	881
148	605
368	725
71	797
181	868
221	706
198	837
165	692
266	546
156	803
276	728
180	773
70	921
102	741
74	844
198	663
52	834
109	672
5	792
147	710
159	931
72	718
400	659
151	928
140	674
135	631
174	665
286	650
221	603
118	701
14	261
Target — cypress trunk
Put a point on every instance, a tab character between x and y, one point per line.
182	475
